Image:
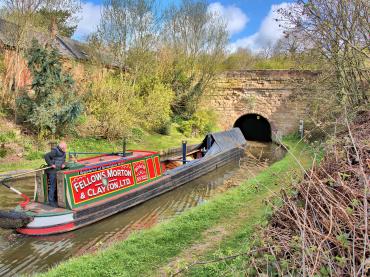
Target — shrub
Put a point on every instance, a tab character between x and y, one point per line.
6	137
3	152
113	106
186	127
119	109
34	155
201	123
137	134
9	136
164	129
156	106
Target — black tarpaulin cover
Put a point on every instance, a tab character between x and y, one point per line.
226	140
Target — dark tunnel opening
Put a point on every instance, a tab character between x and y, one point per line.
254	127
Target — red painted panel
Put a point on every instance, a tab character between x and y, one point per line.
150	164
140	171
157	165
46	231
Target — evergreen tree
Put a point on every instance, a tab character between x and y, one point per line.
64	20
54	104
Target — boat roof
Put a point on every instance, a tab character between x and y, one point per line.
108	159
224	141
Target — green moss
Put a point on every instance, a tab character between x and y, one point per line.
148	250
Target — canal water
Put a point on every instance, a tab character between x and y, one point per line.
27	255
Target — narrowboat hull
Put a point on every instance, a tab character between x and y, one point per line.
54	223
59	220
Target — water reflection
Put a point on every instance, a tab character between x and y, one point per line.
21	254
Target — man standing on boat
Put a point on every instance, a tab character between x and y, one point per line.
56	159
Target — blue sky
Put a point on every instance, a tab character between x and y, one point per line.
250	23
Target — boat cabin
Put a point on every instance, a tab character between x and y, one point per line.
89	180
92	179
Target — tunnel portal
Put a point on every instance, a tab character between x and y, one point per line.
254	127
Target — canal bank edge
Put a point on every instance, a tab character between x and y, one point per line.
146	251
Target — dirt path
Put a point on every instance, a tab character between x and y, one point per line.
210	239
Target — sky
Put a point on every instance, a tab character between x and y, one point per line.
250	23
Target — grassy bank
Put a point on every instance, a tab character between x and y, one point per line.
147	141
147	251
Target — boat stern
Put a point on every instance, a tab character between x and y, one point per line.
46	220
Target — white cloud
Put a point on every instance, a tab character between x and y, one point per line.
234	17
268	34
89	20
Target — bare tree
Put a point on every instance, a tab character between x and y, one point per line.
339	30
193	30
197	39
126	25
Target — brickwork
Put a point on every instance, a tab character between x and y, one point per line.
269	93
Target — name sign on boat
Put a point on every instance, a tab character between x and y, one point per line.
91	185
103	182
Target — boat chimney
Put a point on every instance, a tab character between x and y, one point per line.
124	147
184	151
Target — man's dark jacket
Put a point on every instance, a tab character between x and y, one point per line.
56	156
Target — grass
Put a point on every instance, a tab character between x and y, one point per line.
155	142
20	165
146	251
148	141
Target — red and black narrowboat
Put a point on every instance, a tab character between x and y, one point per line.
97	187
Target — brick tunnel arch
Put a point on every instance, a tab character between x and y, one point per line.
254	127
